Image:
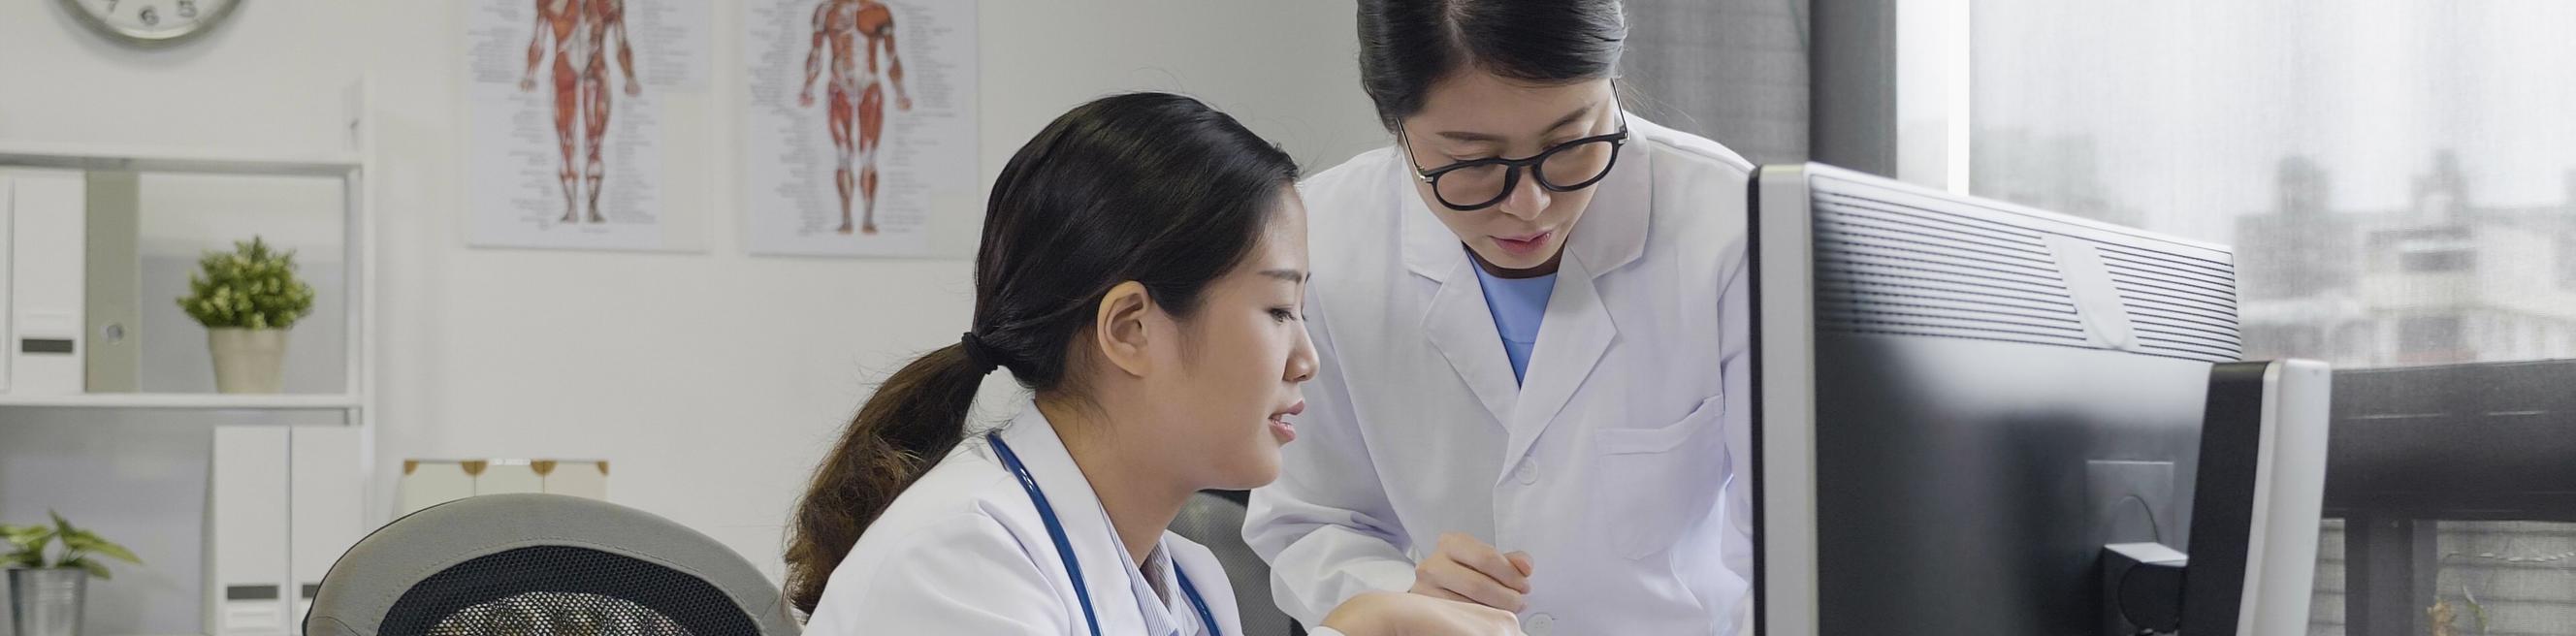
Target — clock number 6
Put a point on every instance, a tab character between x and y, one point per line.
150	17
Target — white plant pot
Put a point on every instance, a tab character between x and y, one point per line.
248	360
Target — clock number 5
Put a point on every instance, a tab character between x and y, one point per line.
188	8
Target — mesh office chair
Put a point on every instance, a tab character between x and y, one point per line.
1214	518
543	565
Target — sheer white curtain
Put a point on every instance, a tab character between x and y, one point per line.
2398	179
1731	70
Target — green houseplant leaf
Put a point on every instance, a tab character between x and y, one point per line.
26	538
86	541
27	547
94	568
24	544
251	287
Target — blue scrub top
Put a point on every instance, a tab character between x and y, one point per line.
1517	304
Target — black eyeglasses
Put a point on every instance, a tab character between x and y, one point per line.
1477	184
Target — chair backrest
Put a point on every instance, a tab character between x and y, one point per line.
543	565
1215	519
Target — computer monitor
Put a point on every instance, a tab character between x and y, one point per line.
1962	402
2260	495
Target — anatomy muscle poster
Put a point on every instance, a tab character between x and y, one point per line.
573	108
858	124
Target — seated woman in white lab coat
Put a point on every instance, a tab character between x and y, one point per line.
1141	272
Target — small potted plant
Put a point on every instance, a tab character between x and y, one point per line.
247	298
45	592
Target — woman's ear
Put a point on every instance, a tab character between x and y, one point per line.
1120	329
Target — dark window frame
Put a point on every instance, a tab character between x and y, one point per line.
2411	447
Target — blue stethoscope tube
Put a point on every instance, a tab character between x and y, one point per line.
1064	546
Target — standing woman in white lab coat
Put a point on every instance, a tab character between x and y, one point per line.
1531	319
1142	268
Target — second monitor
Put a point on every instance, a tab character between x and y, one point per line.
1962	402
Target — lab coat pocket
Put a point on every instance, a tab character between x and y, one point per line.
1657	481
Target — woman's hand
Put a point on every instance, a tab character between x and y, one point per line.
1462	568
1394	614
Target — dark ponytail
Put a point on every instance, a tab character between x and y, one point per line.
1406	46
1146	187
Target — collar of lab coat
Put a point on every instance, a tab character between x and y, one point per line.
1107	569
1577	329
1610	234
1166	609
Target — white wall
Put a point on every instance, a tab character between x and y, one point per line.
712	381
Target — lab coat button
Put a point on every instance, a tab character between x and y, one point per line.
1526	473
1538	624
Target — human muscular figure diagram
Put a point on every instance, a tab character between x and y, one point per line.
854	93
581	31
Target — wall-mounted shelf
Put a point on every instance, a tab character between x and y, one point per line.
223	402
216	491
151	159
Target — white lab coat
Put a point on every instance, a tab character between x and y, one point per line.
1609	464
963	551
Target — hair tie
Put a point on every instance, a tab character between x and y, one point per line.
977	353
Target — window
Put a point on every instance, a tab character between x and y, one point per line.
2430	339
2400	188
2436	260
2356	159
2565	256
2503	577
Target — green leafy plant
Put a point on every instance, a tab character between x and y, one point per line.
80	548
251	287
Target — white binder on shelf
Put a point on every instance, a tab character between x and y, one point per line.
47	229
327	508
8	290
248	494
